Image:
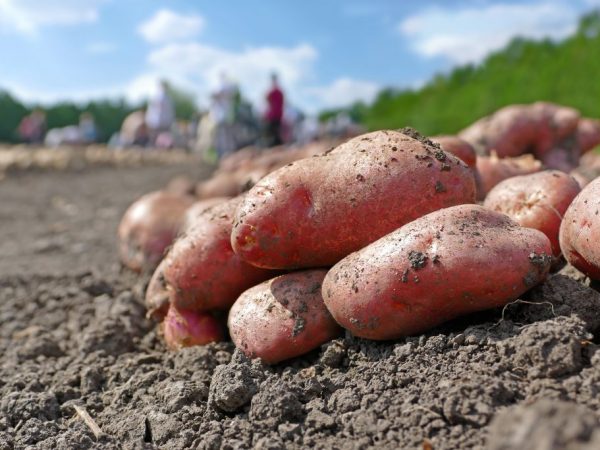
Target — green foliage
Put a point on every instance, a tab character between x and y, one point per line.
525	71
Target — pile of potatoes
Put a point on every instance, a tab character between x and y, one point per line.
381	236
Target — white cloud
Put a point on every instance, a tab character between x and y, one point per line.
343	92
464	35
168	26
28	16
198	67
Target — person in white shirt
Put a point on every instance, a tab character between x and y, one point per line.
160	113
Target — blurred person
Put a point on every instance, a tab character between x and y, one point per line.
274	113
87	128
160	113
32	128
223	113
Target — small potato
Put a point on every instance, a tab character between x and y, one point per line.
448	263
201	270
157	295
458	147
282	318
317	210
188	328
149	227
492	170
537	201
580	231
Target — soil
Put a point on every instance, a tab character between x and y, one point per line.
73	333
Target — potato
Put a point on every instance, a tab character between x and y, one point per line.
458	147
198	208
492	170
282	318
157	295
588	134
180	185
518	129
448	263
201	270
149	227
317	210
222	184
509	131
580	231
187	328
538	201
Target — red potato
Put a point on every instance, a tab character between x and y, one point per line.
509	131
492	170
282	318
180	185
149	227
201	270
518	129
588	134
316	211
157	295
448	263
458	147
198	208
580	231
188	328
537	201
222	184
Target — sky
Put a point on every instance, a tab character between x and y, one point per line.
328	53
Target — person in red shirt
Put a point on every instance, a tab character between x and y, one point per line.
274	112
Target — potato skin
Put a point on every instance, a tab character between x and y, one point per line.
458	147
149	226
282	318
451	262
537	201
580	231
317	210
201	270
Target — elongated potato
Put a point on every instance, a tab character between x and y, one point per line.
149	226
451	262
201	270
458	147
188	328
580	231
282	318
317	210
538	200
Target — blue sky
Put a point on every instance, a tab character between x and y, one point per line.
329	53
